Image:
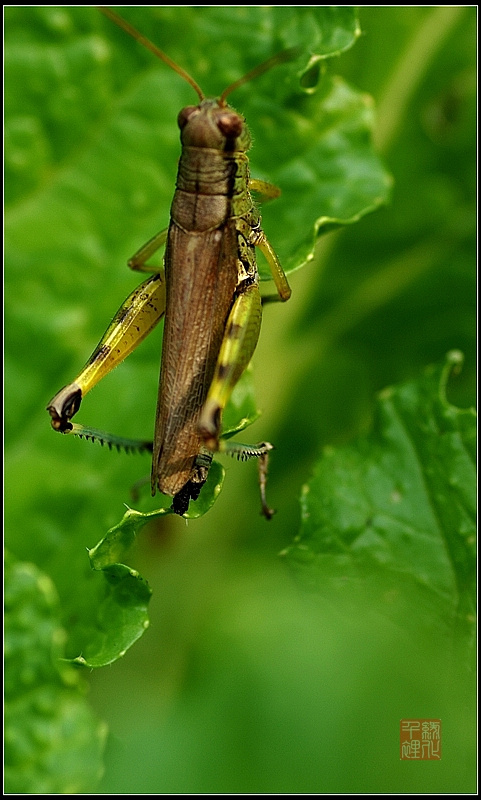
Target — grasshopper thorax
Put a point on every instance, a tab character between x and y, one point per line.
213	125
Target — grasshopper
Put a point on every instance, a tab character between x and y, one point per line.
208	292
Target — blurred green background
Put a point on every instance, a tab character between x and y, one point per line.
244	681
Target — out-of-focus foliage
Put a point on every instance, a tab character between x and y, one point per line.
53	742
401	500
244	681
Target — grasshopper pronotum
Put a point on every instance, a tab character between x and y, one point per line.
208	292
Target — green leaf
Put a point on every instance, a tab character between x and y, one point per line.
327	159
121	617
53	741
400	501
121	606
119	539
241	410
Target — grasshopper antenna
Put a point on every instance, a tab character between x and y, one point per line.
151	46
285	55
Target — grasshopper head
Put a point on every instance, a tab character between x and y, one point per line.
213	125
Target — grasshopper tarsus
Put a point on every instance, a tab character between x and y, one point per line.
267	512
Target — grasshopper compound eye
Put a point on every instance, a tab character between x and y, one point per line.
185	115
230	125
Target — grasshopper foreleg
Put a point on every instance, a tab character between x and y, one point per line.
260	240
268	191
139	260
265	190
